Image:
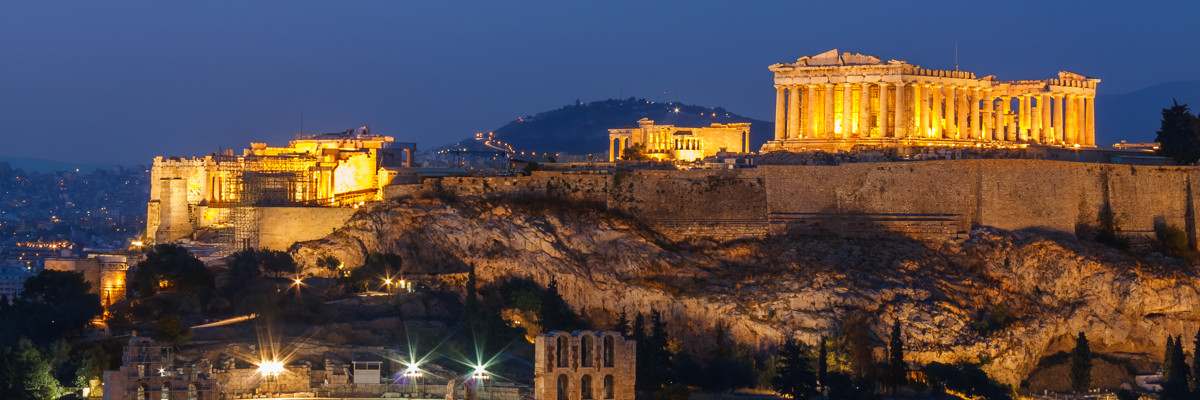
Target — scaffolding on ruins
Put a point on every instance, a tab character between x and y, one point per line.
243	183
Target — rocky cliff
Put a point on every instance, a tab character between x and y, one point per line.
1053	285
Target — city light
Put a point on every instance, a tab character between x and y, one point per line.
413	371
298	281
270	368
480	373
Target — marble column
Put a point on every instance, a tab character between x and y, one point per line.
920	111
793	114
881	115
899	125
829	121
810	113
1056	118
962	104
780	113
1023	117
936	117
1081	119
1046	130
951	114
1069	119
1001	110
976	123
988	109
1035	121
864	110
847	107
1089	120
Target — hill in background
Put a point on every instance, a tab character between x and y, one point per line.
1136	116
582	128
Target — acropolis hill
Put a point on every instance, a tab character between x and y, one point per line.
774	251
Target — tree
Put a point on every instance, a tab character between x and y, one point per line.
795	377
622	323
172	331
26	374
636	152
639	327
897	368
1175	371
1179	135
822	363
1081	365
1196	362
53	305
170	267
330	264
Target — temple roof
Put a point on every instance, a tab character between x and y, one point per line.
832	57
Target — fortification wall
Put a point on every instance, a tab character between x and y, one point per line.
724	205
279	227
929	199
575	187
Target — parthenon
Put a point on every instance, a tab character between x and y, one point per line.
840	101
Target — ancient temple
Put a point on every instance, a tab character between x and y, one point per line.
842	101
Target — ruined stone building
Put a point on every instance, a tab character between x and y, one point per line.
584	365
839	101
105	273
150	372
670	142
327	170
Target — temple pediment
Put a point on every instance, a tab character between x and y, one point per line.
1068	75
833	58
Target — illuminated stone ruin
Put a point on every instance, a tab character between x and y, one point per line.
105	273
670	142
324	170
834	101
584	365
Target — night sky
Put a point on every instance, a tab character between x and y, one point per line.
120	82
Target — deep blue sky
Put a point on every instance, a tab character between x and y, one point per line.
119	82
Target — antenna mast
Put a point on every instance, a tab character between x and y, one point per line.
956	55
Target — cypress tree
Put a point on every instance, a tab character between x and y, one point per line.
622	323
1175	371
1168	357
822	364
795	376
1179	135
1196	362
639	327
897	369
1081	365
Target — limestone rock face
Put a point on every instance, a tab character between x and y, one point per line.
1055	286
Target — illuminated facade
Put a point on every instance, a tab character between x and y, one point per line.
329	170
106	273
670	142
835	101
584	365
149	371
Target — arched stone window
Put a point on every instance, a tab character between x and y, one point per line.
166	392
587	351
192	393
609	344
563	351
563	386
608	387
143	393
585	387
